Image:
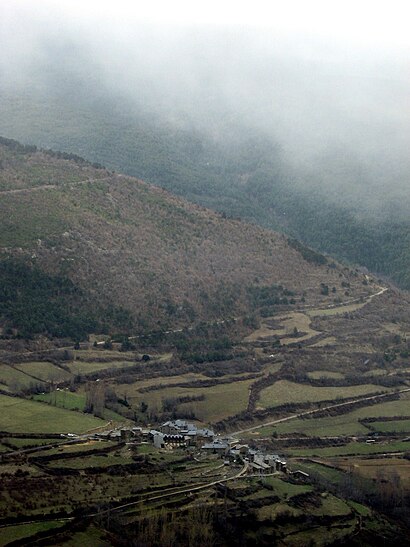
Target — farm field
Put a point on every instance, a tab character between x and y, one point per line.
376	372
21	415
330	474
335	310
283	392
283	326
133	389
83	462
21	531
379	469
325	374
62	399
329	341
44	371
25	442
90	537
353	448
344	424
391	426
12	379
220	400
73	401
89	367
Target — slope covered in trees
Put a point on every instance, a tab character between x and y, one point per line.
96	250
235	169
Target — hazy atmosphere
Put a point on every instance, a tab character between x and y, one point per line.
293	116
204	273
329	86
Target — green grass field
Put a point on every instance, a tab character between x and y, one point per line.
132	390
377	468
221	401
360	508
331	506
92	537
85	367
344	424
394	426
337	310
284	391
353	448
63	399
72	401
285	489
44	370
328	473
84	462
21	415
21	531
316	374
13	379
22	442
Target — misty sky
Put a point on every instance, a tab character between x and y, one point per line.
328	80
365	22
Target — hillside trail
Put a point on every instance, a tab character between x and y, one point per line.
302	320
366	300
53	186
88	345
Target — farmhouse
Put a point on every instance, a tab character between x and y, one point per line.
265	463
216	447
300	476
194	436
162	440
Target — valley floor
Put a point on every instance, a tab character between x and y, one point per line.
326	388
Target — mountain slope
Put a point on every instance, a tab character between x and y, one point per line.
134	246
237	169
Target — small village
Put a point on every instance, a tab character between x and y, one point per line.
176	434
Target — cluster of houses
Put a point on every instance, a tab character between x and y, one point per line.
178	433
182	434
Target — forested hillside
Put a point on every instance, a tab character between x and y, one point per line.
236	169
94	251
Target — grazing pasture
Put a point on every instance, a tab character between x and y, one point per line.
382	469
45	371
283	392
12	379
22	415
343	424
353	448
21	531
